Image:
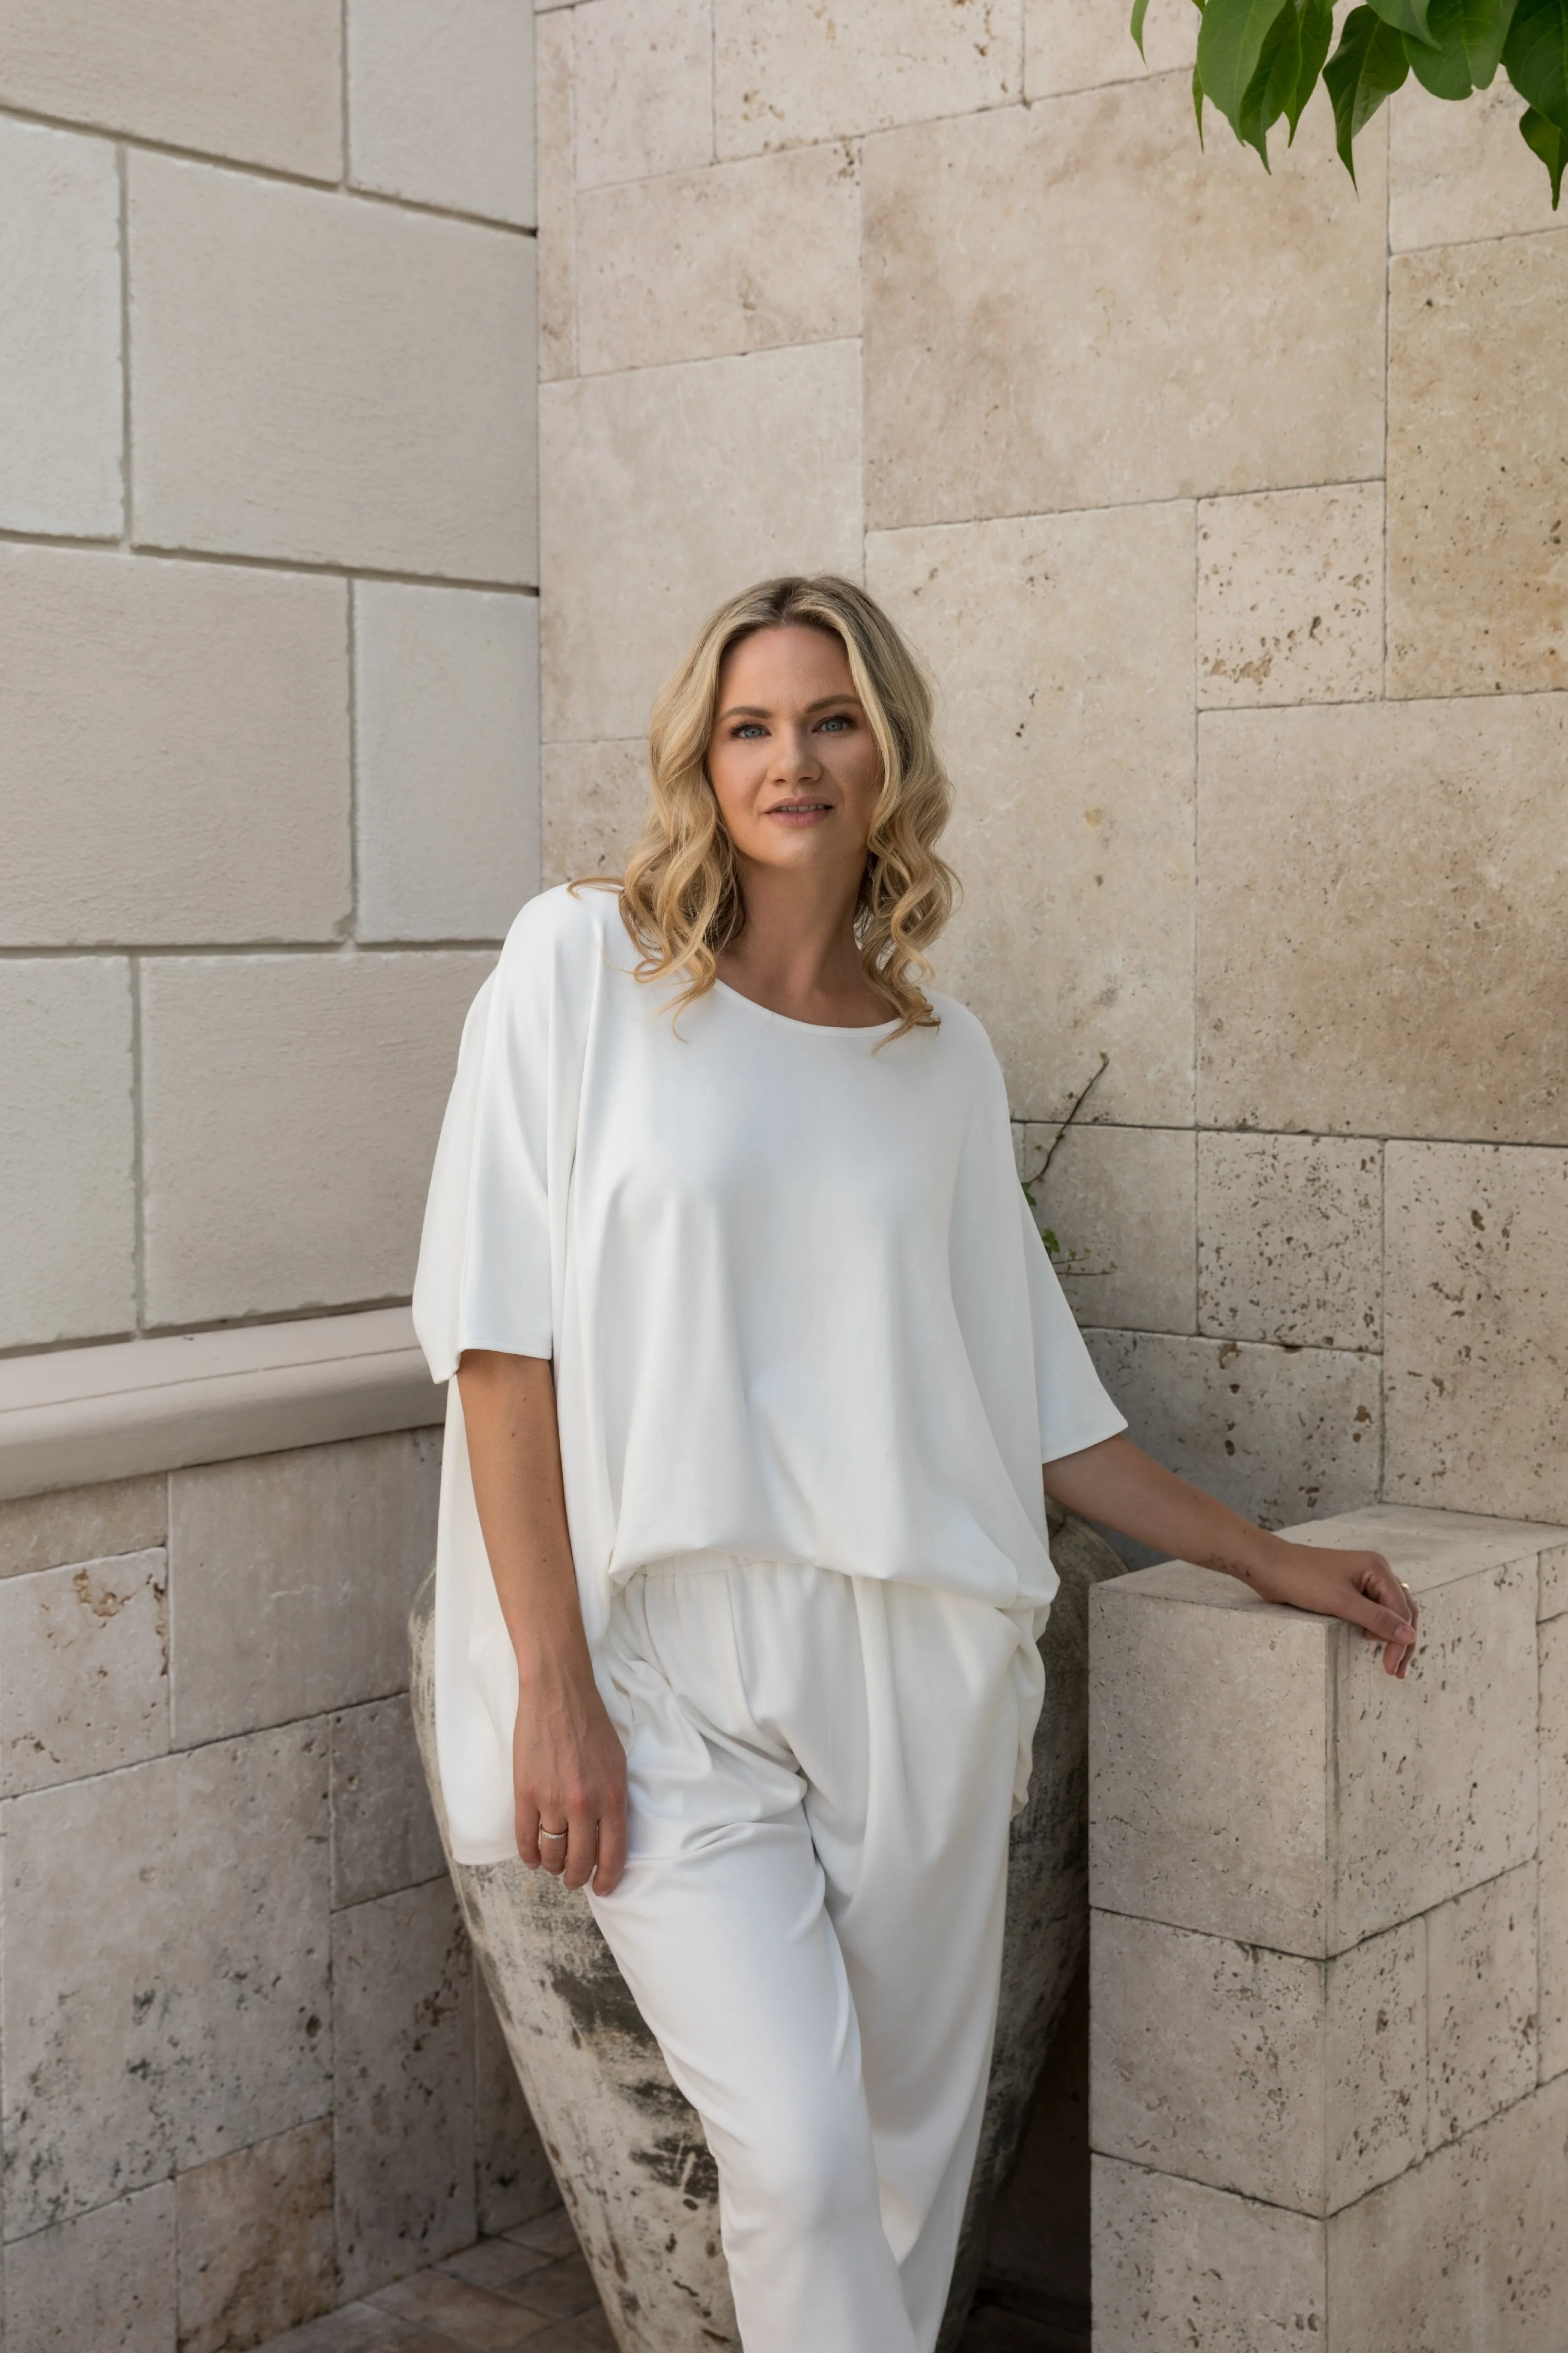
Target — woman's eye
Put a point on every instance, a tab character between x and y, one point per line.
838	721
748	727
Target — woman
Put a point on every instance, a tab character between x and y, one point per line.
758	1358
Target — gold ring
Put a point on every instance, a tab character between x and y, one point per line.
554	1834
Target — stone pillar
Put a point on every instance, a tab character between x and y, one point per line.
1329	2070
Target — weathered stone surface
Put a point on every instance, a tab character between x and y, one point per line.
82	1523
1177	2264
291	1576
174	739
388	428
1483	2016
1477	587
1120	1202
1418	846
737	258
1469	2249
166	1968
792	72
1459	173
1553	1581
264	89
1073	832
651	515
556	113
1138	278
447	688
1376	2062
512	2180
255	2241
402	2029
1554	1847
291	1109
593	797
1431	1548
1222	1828
384	1833
1067	46
105	2279
60	400
1276	1433
1290	1240
66	1150
1476	1282
644	73
1290	597
441	103
84	1670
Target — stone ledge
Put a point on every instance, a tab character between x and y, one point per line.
81	1415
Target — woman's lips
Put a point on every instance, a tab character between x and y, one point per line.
799	813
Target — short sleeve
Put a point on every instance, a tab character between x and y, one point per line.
1075	1408
489	1244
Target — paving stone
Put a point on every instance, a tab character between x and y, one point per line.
84	1670
441	103
550	2233
561	2291
104	2280
61	398
255	2241
120	1516
455	2309
494	2264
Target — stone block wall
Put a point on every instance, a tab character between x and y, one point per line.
1226	510
1328	2076
248	2069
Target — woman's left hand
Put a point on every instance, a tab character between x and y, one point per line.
1358	1585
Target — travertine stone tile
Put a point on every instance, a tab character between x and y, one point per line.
1375	2068
1227	1832
291	1108
651	514
1477	586
290	1577
1553	1581
403	2027
1456	173
1071	45
1276	1434
643	75
84	1670
60	400
1483	2016
1141	278
1207	2059
1418	845
1475	1281
1554	1847
1290	597
512	2180
447	687
1072	760
554	113
66	1148
383	1830
353	2329
255	2241
786	72
1290	1240
1469	2249
105	2279
441	103
1431	1548
1437	1773
595	795
1178	2264
390	427
166	1968
182	728
264	88
1120	1201
83	1523
738	257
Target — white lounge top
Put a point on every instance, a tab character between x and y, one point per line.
797	1306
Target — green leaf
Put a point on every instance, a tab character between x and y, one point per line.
1139	10
1536	55
1230	43
1543	139
1369	66
1317	39
1405	16
1198	103
1273	85
1469	36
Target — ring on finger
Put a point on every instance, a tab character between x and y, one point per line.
553	1834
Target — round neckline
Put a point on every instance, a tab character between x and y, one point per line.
819	1028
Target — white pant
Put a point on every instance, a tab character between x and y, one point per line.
820	1773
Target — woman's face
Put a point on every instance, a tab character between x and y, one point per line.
792	762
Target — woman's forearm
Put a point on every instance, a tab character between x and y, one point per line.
514	1454
1117	1483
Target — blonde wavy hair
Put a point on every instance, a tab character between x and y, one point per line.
680	895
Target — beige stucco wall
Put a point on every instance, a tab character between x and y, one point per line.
1226	510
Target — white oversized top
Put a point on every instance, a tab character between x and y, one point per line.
796	1304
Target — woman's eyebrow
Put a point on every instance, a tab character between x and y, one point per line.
758	711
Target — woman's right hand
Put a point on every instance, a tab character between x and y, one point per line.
569	1773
